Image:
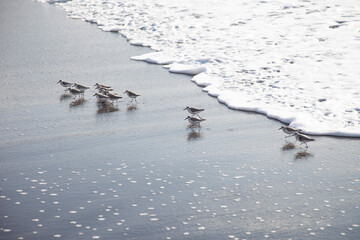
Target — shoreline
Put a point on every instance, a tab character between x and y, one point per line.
293	118
137	171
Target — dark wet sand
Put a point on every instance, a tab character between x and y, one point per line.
78	170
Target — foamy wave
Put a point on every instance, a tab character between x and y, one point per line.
298	63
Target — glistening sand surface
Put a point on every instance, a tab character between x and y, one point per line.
77	171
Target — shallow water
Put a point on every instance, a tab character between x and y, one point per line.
293	62
74	169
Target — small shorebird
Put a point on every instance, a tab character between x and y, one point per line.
132	95
97	86
101	97
303	138
193	111
194	120
75	92
104	90
80	87
289	130
66	85
113	96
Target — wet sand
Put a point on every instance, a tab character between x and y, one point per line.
74	169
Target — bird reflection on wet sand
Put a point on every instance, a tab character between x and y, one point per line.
106	107
132	107
194	134
65	96
78	102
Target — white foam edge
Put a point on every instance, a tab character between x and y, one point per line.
154	57
304	121
186	69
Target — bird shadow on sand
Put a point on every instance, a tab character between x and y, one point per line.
77	102
65	96
132	107
106	107
288	146
303	154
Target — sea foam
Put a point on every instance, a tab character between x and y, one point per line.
296	62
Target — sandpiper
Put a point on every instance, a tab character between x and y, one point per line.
66	85
303	138
194	120
97	85
80	87
289	130
132	95
75	92
113	96
101	97
193	111
104	90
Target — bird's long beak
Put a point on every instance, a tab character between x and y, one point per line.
279	128
186	117
184	109
58	81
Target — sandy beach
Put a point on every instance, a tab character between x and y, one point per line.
76	169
